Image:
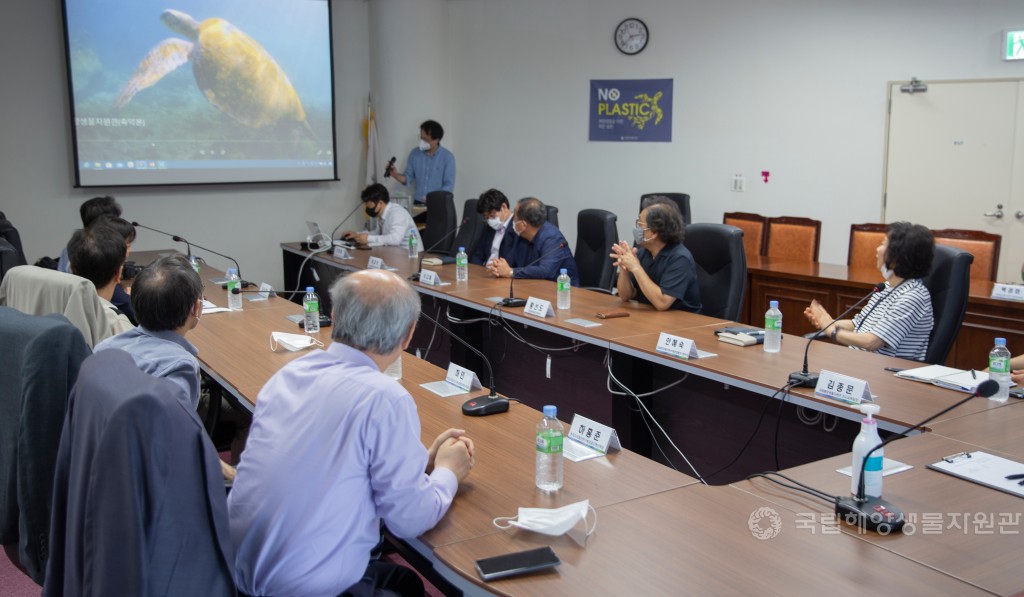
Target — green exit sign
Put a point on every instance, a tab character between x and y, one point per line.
1013	49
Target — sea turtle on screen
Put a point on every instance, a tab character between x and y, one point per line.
234	72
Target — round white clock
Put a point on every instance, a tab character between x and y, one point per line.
631	36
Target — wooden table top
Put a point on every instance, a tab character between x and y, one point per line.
1000	429
965	529
696	541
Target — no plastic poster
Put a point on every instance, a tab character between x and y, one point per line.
638	110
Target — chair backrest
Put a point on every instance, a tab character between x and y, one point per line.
41	358
864	241
595	234
949	283
472	228
552	214
721	268
983	246
8	257
682	200
441	218
40	291
10	234
136	458
754	227
792	239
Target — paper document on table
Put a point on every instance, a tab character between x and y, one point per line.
984	469
889	467
443	388
578	451
209	307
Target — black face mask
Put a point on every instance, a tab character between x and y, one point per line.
371	211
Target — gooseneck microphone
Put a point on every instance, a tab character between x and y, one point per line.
512	301
874	513
350	214
485	405
188	245
174	237
416	275
806	379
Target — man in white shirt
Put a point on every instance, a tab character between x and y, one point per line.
388	225
98	253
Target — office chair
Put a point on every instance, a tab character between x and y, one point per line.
41	357
864	241
441	220
11	252
984	246
755	231
595	234
682	201
949	283
793	239
40	291
721	268
552	214
472	229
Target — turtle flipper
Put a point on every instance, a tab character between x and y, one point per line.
162	59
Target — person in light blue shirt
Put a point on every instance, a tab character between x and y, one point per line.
333	450
429	167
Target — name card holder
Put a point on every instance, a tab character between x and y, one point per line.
462	378
1008	292
378	263
430	278
341	253
842	387
539	307
675	346
266	291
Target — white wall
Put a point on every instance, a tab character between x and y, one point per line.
796	87
245	221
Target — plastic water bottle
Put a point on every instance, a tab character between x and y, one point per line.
311	307
194	263
414	250
999	369
234	300
773	328
549	451
461	265
865	441
564	290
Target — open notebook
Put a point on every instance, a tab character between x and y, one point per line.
946	377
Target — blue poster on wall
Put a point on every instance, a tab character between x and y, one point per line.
631	110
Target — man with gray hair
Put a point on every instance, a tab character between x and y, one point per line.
334	450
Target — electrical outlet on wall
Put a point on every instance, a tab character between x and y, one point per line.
739	183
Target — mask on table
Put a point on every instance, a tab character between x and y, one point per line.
292	342
550	521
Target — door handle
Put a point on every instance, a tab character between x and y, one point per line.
998	213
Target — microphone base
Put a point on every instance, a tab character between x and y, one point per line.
799	379
325	322
484	405
873	514
241	284
513	302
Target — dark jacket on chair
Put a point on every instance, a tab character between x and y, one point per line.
139	503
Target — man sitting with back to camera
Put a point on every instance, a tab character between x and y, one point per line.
389	224
98	253
537	255
333	450
661	270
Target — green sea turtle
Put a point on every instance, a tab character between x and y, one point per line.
232	70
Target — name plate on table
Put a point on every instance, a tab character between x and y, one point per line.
539	307
589	439
842	387
430	278
266	291
674	346
1008	292
462	378
378	263
341	253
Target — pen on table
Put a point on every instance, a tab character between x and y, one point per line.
973	374
894	369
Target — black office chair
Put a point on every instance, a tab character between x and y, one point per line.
11	251
721	268
472	228
440	221
949	283
595	234
681	199
552	214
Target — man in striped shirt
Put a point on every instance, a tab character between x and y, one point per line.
898	320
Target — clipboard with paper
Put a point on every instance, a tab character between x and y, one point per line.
994	472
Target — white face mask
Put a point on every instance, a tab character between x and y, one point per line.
424	146
550	521
495	223
292	342
886	272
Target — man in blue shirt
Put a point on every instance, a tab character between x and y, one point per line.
541	251
429	167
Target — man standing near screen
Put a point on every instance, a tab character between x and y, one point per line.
429	167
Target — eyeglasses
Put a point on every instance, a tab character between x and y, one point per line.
640	224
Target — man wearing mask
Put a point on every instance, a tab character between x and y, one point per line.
389	224
429	167
660	271
541	252
498	239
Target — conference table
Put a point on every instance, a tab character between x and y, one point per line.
658	530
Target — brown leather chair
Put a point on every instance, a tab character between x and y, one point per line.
983	245
864	241
793	239
754	229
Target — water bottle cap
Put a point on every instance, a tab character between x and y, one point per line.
310	290
550	410
1000	341
564	271
462	249
232	271
773	304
